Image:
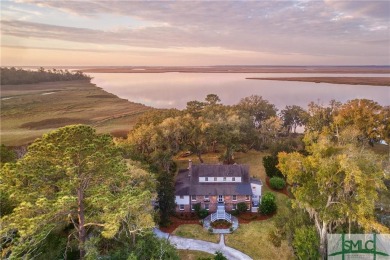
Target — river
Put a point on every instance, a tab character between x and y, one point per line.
174	90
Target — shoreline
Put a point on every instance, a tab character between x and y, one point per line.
371	81
244	69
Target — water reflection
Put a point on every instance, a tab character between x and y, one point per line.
174	90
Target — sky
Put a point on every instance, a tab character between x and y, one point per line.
194	33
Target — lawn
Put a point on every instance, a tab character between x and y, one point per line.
192	255
252	239
195	231
28	111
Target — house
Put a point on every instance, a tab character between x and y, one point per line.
216	186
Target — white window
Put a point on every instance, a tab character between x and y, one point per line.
206	197
193	197
181	197
233	178
247	197
192	207
215	178
234	197
224	178
181	207
206	206
206	178
234	206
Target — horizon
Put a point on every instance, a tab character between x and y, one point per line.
119	33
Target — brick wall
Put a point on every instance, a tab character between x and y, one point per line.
213	201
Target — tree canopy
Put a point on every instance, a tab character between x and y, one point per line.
336	183
73	181
13	76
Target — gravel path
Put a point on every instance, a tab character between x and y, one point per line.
199	245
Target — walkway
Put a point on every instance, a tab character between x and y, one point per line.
207	222
199	245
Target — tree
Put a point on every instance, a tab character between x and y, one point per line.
212	99
336	183
293	116
75	180
270	130
258	108
195	108
195	134
166	196
321	117
270	162
366	115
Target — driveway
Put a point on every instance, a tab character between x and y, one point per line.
200	245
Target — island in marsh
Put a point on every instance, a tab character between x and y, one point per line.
372	81
30	110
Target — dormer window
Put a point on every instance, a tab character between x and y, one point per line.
215	178
206	178
224	178
233	178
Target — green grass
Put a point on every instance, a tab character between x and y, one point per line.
192	255
28	114
252	239
196	232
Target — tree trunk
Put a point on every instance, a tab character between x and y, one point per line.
323	237
80	212
199	154
322	232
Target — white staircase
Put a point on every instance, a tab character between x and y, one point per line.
221	214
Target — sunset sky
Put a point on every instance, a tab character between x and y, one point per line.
118	33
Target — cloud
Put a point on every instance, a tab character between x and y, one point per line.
372	9
283	27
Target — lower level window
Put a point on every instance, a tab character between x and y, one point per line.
247	197
206	206
181	207
192	207
234	206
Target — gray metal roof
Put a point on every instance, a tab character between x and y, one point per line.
187	181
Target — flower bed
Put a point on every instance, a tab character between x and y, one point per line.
221	224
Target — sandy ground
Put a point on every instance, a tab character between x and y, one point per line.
243	69
372	81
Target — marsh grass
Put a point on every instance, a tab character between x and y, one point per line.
35	109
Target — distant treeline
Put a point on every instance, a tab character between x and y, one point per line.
13	76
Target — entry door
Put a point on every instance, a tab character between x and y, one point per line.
220	198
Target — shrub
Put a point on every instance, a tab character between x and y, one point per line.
242	207
277	183
234	212
306	243
203	213
268	204
219	256
269	163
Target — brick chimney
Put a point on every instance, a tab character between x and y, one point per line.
189	168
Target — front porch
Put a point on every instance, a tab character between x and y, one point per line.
221	214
